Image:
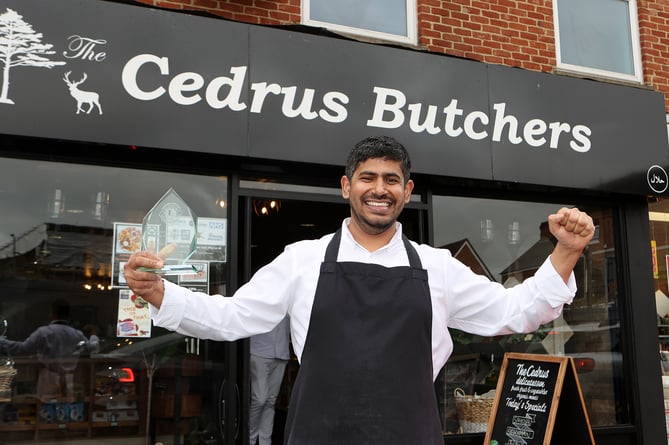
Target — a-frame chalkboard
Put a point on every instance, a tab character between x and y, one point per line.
538	402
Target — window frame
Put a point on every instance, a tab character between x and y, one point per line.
637	77
411	24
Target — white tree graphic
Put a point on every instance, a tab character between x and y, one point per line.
20	45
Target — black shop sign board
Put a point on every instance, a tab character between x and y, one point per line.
538	402
182	81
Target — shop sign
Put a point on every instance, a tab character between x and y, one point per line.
113	73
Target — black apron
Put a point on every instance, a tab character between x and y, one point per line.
366	371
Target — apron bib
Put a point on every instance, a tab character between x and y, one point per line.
366	370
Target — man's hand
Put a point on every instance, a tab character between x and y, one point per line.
573	230
147	285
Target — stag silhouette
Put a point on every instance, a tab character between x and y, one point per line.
82	97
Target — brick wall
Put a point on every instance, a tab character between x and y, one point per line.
513	33
248	11
654	36
516	33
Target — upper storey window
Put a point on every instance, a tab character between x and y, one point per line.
598	37
392	20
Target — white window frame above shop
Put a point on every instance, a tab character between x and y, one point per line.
348	17
577	35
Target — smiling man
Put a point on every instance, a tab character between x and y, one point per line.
369	309
377	188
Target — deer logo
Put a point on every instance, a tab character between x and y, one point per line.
82	97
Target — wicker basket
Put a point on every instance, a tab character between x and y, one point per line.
473	411
7	373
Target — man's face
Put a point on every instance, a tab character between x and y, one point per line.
377	194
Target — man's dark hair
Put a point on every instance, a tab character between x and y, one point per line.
376	147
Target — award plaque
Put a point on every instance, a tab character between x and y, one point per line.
170	231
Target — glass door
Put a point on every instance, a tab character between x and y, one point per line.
274	220
272	224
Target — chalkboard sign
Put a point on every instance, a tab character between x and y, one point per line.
538	402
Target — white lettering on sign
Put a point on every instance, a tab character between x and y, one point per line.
390	110
531	371
131	69
84	48
225	92
389	113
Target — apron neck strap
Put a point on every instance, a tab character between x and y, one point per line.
333	250
414	259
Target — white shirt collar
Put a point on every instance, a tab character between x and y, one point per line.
347	237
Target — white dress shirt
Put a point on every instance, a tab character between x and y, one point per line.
460	298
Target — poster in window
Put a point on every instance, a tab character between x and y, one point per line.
127	240
653	252
133	315
197	281
666	263
211	239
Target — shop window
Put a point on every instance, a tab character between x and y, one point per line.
659	236
393	20
65	233
598	37
507	241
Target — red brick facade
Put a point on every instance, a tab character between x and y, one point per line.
248	11
515	33
654	34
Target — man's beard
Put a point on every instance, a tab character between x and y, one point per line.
376	225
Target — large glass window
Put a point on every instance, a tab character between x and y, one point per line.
599	37
659	236
65	232
393	20
508	241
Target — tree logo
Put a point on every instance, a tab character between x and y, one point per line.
20	45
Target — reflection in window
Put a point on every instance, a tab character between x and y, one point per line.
599	37
64	231
659	235
393	20
507	241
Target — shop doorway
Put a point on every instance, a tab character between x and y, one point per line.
272	223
